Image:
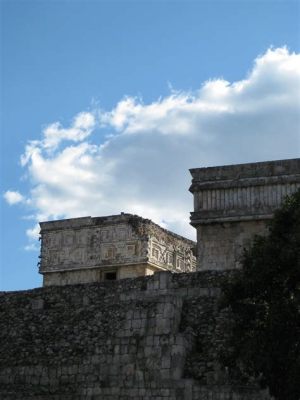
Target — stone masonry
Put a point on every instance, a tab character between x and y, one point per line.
90	335
82	250
149	338
234	202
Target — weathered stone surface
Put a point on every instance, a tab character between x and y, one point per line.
82	250
233	202
149	338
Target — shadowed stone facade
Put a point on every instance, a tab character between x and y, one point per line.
82	250
234	202
149	338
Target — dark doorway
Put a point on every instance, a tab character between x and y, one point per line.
110	276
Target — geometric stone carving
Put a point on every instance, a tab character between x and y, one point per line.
233	202
87	249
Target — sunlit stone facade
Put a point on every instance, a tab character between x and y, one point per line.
82	250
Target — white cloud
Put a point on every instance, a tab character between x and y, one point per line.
33	233
82	126
32	247
13	197
141	165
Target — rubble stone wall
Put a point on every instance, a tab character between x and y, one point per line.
149	338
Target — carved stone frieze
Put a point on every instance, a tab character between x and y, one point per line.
119	240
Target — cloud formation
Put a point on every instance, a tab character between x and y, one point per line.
135	157
13	197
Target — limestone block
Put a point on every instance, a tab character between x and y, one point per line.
37	304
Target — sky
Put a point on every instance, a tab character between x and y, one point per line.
105	105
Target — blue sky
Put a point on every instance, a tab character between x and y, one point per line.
105	105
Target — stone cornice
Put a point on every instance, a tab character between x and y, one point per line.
141	225
199	219
235	172
244	182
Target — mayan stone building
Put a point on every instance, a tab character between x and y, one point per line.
233	202
155	337
82	250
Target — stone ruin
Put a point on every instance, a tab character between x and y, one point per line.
231	204
150	338
234	202
81	250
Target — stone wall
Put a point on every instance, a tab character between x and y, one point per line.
89	275
233	202
149	338
221	246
